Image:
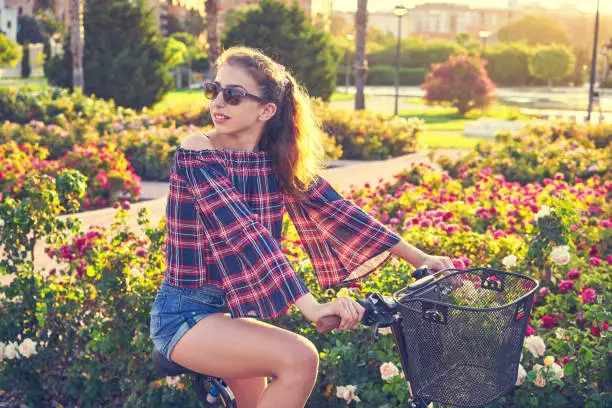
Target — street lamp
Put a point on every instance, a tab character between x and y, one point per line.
484	34
349	37
399	11
593	66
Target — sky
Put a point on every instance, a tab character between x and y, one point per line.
605	6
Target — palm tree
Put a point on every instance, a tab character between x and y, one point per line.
214	43
77	40
361	23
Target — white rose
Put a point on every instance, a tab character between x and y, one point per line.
27	348
535	345
560	255
347	392
2	346
173	381
560	333
11	350
388	370
1	223
521	375
544	211
510	261
384	330
557	371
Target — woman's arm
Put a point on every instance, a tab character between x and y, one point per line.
409	253
418	258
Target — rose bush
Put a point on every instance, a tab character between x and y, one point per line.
89	317
108	174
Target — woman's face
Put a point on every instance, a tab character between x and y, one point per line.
248	115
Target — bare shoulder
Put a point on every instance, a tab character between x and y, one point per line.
196	141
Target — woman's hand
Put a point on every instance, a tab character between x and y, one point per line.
436	263
347	309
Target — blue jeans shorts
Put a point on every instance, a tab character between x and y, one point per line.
175	310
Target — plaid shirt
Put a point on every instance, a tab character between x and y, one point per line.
224	223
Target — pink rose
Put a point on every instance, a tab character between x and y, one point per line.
573	274
595	261
548	322
529	331
566	285
544	291
588	296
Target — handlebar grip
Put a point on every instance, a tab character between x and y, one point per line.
327	323
421	272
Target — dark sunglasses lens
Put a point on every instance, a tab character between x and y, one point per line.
232	96
211	90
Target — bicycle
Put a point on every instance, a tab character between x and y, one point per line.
428	320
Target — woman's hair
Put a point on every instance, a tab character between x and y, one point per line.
292	136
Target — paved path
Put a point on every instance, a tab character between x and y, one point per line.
342	177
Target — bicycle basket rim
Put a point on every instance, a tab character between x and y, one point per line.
415	297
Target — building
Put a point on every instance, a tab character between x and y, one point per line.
23	7
442	20
8	20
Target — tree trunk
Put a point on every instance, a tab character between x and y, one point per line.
214	42
77	40
361	26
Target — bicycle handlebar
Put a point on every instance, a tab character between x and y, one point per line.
378	310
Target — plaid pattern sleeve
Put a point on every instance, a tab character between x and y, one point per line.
342	241
257	276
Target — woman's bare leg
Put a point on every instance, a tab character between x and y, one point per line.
246	348
247	390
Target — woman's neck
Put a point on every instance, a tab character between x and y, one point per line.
232	142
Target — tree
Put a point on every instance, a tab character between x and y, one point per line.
10	52
552	62
285	34
461	81
534	30
214	38
77	42
28	31
361	27
126	58
26	70
508	64
194	23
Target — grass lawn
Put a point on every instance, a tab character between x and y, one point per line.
449	140
33	83
447	118
180	99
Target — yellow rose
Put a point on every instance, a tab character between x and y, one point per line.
343	292
548	361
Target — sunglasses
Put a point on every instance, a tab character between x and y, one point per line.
231	96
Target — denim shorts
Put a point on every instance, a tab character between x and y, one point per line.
175	310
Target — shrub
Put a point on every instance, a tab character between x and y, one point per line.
385	75
368	135
539	152
551	63
462	81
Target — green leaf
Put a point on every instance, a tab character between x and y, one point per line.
570	368
587	354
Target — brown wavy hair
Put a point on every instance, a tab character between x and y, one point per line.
293	136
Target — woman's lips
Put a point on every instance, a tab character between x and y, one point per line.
219	118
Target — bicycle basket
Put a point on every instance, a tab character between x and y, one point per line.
464	334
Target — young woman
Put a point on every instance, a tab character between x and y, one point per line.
228	192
